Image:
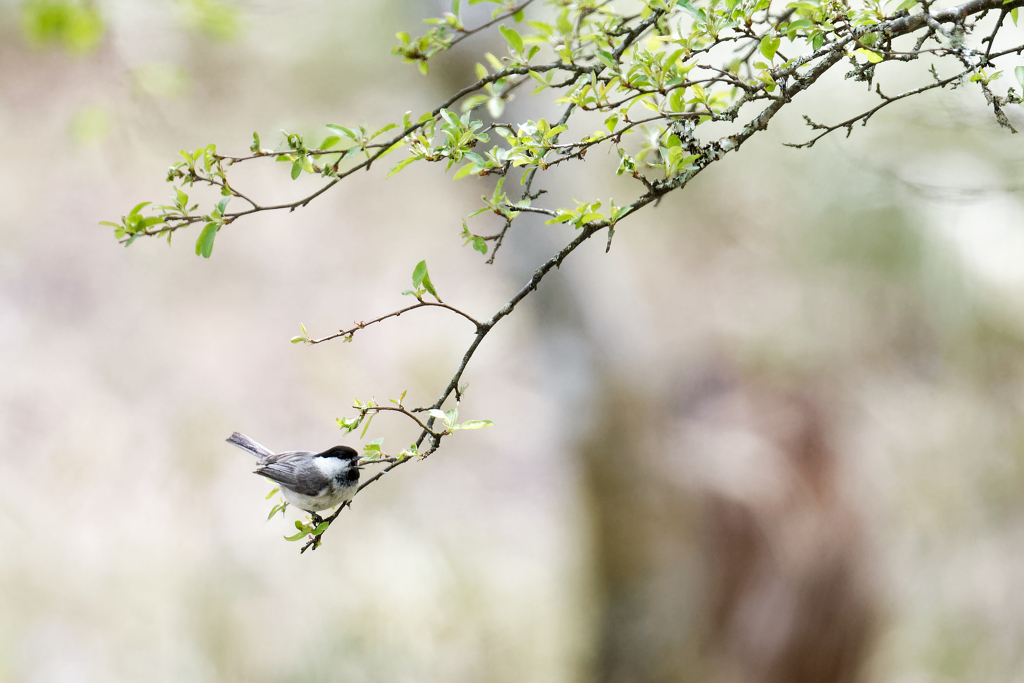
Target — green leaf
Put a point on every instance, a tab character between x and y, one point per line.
560	218
450	118
342	130
464	171
420	276
147	222
348	423
872	57
369	419
385	129
476	424
513	38
608	60
495	62
690	9
296	537
429	286
399	166
204	245
495	107
321	528
296	168
540	79
1019	74
330	141
769	44
439	414
418	273
391	149
480	244
138	207
298	339
269	495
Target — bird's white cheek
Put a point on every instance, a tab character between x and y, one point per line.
329	467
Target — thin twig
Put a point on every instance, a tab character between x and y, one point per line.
865	116
422	304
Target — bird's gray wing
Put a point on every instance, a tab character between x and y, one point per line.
294	470
248	445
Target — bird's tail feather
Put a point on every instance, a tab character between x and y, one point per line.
247	444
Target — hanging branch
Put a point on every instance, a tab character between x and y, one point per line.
686	63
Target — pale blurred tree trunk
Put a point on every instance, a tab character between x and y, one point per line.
645	536
723	549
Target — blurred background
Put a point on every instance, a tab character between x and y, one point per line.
774	435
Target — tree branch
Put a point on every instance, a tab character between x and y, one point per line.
600	65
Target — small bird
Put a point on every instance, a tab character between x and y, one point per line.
310	481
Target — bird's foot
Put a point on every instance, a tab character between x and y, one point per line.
317	520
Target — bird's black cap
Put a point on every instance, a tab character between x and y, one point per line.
343	452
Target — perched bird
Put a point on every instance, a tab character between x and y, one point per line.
310	481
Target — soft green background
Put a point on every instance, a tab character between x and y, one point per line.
133	544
